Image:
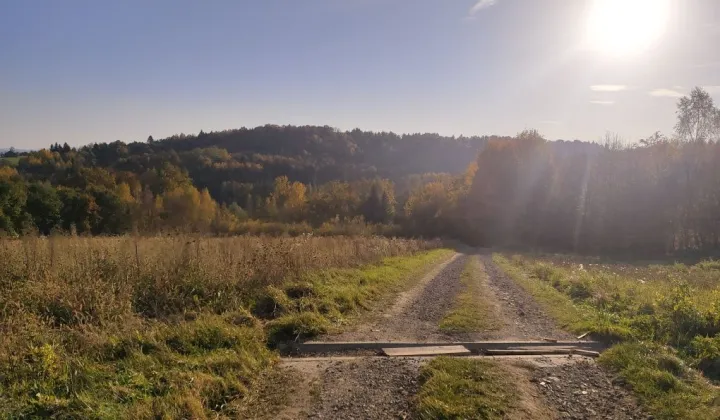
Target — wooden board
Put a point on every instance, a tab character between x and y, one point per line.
427	351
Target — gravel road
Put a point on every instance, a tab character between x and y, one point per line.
379	388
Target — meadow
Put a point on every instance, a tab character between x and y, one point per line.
662	320
178	326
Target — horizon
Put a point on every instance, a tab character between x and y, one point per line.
94	73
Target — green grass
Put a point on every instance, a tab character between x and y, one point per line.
472	312
12	161
459	388
664	320
663	382
182	371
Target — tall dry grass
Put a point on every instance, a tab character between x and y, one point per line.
81	319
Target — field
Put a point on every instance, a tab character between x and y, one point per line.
200	327
172	327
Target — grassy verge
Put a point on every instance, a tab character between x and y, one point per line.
458	388
472	311
322	302
664	322
662	381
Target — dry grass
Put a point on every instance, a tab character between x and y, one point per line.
150	327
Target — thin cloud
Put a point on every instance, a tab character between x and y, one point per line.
712	89
707	65
608	88
551	122
665	93
602	102
482	4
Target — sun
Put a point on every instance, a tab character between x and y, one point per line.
625	27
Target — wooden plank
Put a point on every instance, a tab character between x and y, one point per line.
527	352
546	348
324	347
427	351
586	353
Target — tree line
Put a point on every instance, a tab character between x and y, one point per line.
656	196
211	182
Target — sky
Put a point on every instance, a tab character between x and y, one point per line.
84	71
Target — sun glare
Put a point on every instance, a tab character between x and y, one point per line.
624	27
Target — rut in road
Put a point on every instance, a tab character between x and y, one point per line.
522	317
374	388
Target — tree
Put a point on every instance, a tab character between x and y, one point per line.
44	206
13	198
698	118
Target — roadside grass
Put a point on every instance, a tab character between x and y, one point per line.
662	381
472	311
104	328
461	388
664	320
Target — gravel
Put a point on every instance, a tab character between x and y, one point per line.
367	389
583	390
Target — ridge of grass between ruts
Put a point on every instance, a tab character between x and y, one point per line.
655	349
462	388
471	312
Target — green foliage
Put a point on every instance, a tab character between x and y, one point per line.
457	388
44	205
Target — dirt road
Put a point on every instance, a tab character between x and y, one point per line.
382	388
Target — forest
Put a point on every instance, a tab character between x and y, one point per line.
656	196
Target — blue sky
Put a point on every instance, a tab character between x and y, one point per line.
82	71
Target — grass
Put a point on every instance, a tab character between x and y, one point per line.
664	320
460	388
162	327
472	311
663	382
